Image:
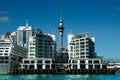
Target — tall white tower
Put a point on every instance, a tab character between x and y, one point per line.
61	29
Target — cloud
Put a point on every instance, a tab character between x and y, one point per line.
3	12
118	8
4	19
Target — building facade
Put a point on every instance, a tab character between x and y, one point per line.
23	33
41	47
37	63
88	63
11	55
81	50
45	45
81	46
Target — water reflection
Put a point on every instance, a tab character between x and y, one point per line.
60	77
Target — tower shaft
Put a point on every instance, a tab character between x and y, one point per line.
61	40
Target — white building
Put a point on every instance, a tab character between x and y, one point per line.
23	33
32	47
81	50
81	46
10	55
41	47
88	63
37	63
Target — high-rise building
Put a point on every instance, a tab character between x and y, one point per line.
42	45
81	46
81	49
41	51
23	33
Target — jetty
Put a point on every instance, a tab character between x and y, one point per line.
63	71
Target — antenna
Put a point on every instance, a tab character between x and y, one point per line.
60	12
27	23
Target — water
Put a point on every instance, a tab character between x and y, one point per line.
60	77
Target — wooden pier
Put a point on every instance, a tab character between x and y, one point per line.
62	71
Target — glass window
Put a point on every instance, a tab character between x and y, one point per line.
6	61
82	53
32	47
74	61
47	61
6	57
40	61
90	66
97	66
82	61
32	61
96	61
2	48
90	61
6	51
26	61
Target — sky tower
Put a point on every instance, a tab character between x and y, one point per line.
61	29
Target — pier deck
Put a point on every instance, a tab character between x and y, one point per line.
62	71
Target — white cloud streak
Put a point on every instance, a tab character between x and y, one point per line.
3	12
4	19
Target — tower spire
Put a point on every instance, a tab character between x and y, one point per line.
60	13
27	23
61	29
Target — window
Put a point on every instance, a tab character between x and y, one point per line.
26	61
6	61
6	57
2	48
47	66
97	66
32	61
1	51
6	54
74	61
31	66
82	53
6	51
31	54
32	47
71	47
81	39
32	51
47	61
1	58
74	66
82	57
96	61
90	61
40	61
82	66
90	66
82	61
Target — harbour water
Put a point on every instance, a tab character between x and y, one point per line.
60	77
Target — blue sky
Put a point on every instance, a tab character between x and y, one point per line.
101	18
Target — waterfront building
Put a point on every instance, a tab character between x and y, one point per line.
10	54
37	63
42	47
86	63
23	33
81	50
81	46
45	45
